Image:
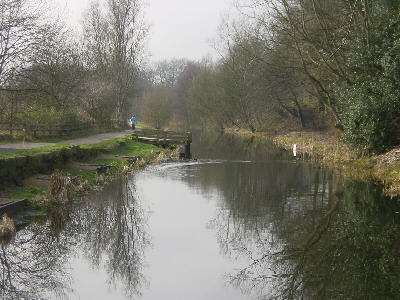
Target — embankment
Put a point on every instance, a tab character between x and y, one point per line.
13	170
85	166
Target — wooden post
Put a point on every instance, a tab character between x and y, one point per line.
188	141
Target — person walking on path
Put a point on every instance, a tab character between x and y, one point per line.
133	122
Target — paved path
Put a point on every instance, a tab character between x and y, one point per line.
91	139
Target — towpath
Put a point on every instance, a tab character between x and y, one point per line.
88	140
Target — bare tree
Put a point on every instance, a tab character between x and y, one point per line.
114	43
19	28
157	107
166	73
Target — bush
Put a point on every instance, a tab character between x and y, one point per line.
47	116
370	104
369	120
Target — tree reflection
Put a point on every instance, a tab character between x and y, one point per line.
34	265
305	232
109	228
231	147
307	235
115	234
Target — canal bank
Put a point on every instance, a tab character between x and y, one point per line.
29	174
326	149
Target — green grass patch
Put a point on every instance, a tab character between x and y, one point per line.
133	148
25	192
33	151
129	148
109	144
124	147
112	146
144	126
119	146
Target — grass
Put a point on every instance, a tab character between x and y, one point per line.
129	148
384	169
117	147
144	126
91	178
82	181
26	192
109	144
318	145
133	148
351	163
33	151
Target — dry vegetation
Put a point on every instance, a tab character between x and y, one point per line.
59	190
321	146
384	168
7	230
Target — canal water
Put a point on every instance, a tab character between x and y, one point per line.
246	221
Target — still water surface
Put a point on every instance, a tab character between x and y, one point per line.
247	221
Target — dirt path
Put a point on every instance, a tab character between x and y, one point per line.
91	139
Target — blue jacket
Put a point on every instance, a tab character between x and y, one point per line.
133	120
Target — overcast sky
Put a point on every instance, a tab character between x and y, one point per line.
179	28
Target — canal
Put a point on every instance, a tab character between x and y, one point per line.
245	221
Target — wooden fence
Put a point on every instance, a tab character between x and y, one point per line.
36	129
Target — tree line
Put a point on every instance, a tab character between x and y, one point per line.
283	65
292	64
51	75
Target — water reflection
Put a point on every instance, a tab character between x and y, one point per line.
109	228
302	232
216	145
351	252
115	233
34	263
308	234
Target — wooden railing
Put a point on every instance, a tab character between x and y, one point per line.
165	138
37	129
163	134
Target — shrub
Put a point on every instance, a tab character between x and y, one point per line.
370	104
47	116
7	230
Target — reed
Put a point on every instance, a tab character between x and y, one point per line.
7	230
353	164
59	190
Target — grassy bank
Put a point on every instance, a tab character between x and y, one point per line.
383	169
117	157
326	149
